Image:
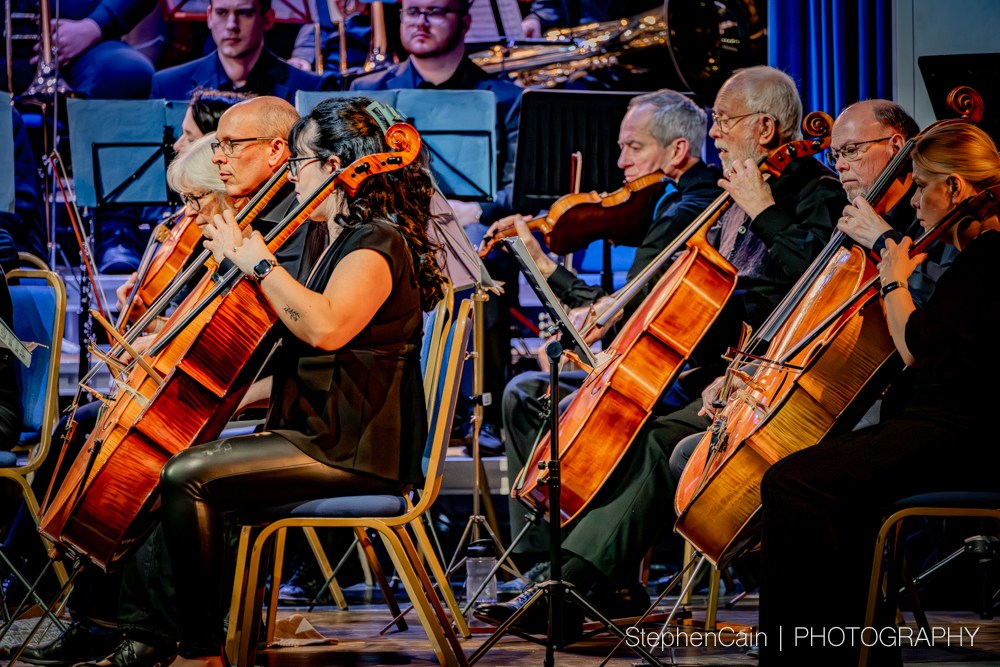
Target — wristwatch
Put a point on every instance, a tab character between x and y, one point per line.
262	268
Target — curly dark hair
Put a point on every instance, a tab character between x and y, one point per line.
342	127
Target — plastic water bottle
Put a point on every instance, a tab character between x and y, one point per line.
480	559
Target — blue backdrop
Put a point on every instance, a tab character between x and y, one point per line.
838	51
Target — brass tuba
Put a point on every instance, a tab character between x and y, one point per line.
689	45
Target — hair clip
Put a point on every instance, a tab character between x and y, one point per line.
384	115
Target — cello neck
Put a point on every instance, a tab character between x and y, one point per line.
699	226
246	215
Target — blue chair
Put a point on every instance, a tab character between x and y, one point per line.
971	504
39	300
388	515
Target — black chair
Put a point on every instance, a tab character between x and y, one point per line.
971	504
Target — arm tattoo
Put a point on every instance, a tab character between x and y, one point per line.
292	313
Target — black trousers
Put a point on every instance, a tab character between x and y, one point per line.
822	508
524	422
199	485
636	504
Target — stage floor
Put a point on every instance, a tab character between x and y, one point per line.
358	642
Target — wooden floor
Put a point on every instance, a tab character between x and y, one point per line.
358	642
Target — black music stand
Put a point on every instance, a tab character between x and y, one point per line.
557	590
121	162
554	125
115	165
458	129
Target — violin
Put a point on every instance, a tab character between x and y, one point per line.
576	220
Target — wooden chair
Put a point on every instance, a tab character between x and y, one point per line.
388	515
436	323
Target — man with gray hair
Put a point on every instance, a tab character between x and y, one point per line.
662	132
771	235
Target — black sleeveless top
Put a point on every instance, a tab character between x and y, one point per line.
360	407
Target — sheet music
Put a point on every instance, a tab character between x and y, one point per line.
484	25
549	300
10	341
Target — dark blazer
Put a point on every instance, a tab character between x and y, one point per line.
403	76
270	76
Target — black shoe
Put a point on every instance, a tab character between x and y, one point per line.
301	587
77	642
133	653
626	602
538	573
535	621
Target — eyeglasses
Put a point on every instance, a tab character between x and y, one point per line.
193	202
727	123
295	164
228	146
851	152
435	15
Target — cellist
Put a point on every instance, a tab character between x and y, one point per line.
143	614
822	506
866	136
369	270
661	131
770	235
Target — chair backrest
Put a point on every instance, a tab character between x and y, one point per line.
436	323
39	299
449	377
30	260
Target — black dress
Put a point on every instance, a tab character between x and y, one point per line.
822	506
360	407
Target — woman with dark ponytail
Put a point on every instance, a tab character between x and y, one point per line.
347	413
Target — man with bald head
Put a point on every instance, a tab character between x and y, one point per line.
252	143
251	146
865	138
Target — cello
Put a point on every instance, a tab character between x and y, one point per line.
829	352
649	352
175	241
156	284
183	394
